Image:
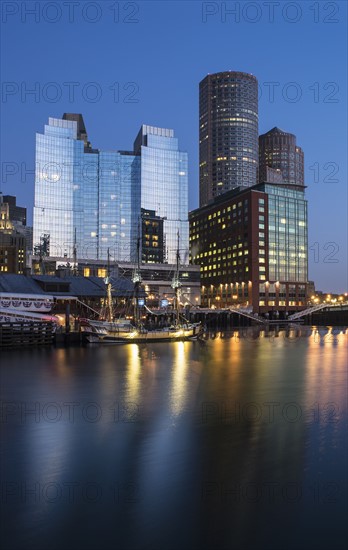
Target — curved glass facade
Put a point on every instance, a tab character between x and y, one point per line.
164	187
98	195
57	186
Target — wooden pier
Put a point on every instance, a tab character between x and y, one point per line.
26	333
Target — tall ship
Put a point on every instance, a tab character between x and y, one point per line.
123	330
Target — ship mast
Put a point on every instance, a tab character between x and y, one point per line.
108	289
176	283
136	279
75	255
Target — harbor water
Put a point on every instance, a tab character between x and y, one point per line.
235	442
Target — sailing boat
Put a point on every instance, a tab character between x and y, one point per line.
124	331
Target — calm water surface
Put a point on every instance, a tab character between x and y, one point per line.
234	443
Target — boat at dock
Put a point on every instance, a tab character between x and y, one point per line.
125	330
113	334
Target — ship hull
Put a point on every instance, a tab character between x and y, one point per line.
139	337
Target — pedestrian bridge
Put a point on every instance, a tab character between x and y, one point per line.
307	311
244	312
248	313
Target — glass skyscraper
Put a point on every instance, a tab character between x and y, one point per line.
164	186
94	198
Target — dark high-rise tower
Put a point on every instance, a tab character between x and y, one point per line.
278	152
18	214
228	133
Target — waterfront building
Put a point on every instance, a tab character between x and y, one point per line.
280	159
18	214
88	202
228	133
12	243
156	277
152	244
44	293
251	245
157	282
27	232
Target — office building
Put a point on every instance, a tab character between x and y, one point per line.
152	245
18	214
164	186
90	201
251	245
280	159
84	198
228	133
12	243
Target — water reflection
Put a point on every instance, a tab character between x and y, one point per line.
133	373
179	379
289	334
219	425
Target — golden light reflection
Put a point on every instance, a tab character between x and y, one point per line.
179	379
322	365
61	364
133	372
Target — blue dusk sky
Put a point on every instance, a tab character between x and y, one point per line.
123	64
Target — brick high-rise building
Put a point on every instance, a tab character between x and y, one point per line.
251	245
228	133
278	151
